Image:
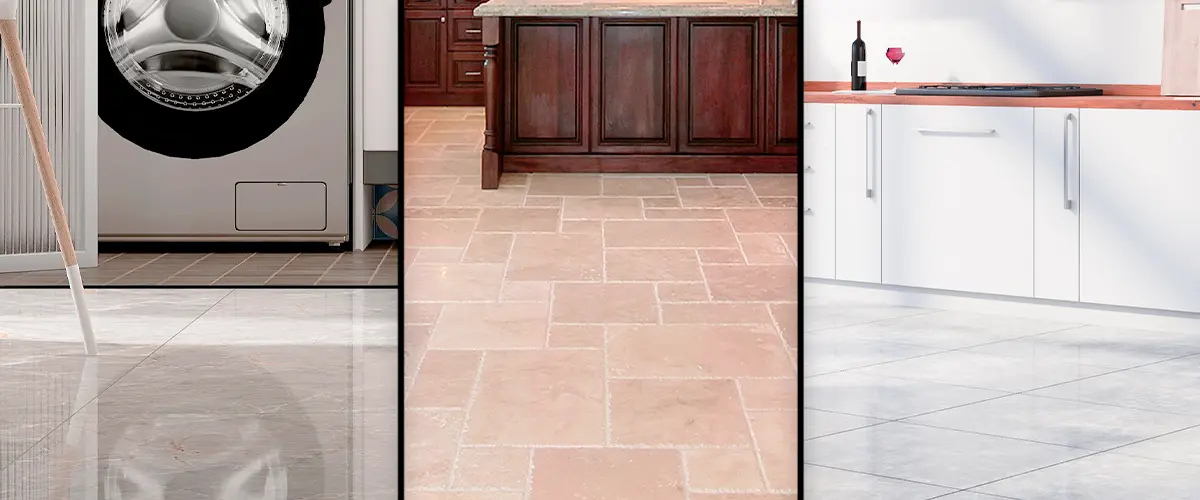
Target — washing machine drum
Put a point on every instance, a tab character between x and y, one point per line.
205	78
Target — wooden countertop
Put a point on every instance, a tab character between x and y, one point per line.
1116	97
638	8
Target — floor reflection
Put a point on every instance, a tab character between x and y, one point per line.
302	406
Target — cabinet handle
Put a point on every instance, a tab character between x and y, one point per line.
870	143
1067	202
473	73
473	31
443	19
808	211
982	131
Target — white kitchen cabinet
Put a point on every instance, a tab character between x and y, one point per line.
958	198
1056	206
858	154
817	180
1139	210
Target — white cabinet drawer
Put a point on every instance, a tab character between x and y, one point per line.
818	213
957	189
858	194
1056	203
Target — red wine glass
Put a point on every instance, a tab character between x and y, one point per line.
895	54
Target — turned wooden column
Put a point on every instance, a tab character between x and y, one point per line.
493	81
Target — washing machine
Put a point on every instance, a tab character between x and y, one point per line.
224	120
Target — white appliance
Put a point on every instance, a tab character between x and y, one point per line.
224	120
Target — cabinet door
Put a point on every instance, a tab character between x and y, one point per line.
1056	207
858	197
1139	213
818	210
548	71
425	51
633	68
465	32
720	85
783	84
958	198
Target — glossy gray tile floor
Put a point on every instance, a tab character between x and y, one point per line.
904	403
201	394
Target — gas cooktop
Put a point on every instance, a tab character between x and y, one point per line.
1002	90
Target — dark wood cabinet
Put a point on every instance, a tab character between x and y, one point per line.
443	54
549	86
783	85
721	86
633	87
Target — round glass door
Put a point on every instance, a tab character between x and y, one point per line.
224	74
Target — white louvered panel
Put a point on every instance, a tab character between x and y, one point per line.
51	36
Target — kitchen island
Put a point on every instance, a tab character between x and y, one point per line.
651	86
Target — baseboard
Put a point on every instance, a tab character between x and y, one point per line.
656	164
48	261
1071	312
443	99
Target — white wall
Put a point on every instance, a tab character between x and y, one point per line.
381	75
1034	41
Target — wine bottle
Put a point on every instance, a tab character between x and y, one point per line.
858	62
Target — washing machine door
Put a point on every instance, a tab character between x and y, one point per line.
205	78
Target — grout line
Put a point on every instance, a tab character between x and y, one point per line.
226	273
687	475
421	359
462	431
529	476
185	268
144	264
762	471
285	264
382	259
607	392
331	264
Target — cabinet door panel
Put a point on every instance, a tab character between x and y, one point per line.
1139	214
424	51
858	148
548	71
783	85
632	97
721	88
466	72
1056	207
818	210
958	198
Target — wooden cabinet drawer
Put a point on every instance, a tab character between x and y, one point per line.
463	4
466	72
425	4
466	31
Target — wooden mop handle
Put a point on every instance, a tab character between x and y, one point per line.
41	147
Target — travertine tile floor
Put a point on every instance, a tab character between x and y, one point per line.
912	404
595	337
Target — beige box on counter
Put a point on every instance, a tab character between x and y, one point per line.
1181	48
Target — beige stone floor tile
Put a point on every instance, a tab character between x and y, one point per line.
581	227
437	232
682	292
466	495
770	394
506	468
440	255
519	220
774	184
488	248
556	257
778	437
696	351
677	413
544	201
605	303
607	474
425	201
651	265
416	340
764	248
764	220
540	397
472	180
716	313
576	336
787	319
599	208
442	213
727	180
565	185
474	196
744	496
439	166
421	152
423	185
515	179
432	137
638	186
668	234
660	202
717	197
779	202
684	213
792	240
753	283
428	466
444	380
723	469
525	291
463	127
453	282
701	181
421	314
432	427
491	326
721	256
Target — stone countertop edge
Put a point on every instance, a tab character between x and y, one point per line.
523	8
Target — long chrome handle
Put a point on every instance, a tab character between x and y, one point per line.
870	147
473	73
1067	202
472	31
982	131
